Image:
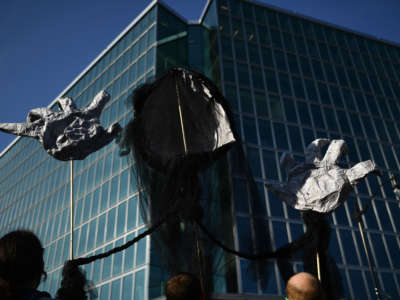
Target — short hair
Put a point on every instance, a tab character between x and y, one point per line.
183	286
303	286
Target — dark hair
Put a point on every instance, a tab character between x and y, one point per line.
21	262
183	286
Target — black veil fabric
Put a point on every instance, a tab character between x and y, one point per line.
178	139
181	117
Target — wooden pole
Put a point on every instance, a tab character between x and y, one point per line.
181	117
71	207
318	267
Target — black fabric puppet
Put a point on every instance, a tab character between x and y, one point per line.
181	126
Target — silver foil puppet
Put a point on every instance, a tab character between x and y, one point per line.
319	184
68	134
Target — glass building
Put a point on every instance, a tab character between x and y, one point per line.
289	79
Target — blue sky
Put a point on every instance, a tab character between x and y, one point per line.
45	44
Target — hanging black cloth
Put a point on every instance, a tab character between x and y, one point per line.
178	138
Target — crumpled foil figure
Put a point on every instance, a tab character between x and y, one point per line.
319	184
68	134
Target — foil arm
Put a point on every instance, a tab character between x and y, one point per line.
20	129
360	170
336	149
98	103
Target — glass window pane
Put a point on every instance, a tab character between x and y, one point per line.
389	285
276	107
304	113
141	251
250	130
267	57
243	74
115	289
290	110
358	284
280	233
230	94
308	135
132	212
101	227
348	247
226	46
139	285
270	78
298	87
246	101
276	38
240	196
105	292
330	119
265	133
317	116
240	50
270	168
280	61
127	287
280	136
237	30
261	104
250	32
229	72
295	138
129	254
258	80
111	224
254	161
121	220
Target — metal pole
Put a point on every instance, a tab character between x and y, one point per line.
71	250
196	235
358	219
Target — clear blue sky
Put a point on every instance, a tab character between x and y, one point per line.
45	44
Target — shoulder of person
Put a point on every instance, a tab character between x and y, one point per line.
38	295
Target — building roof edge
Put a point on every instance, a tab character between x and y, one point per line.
321	22
203	13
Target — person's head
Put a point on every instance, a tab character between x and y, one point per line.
184	286
21	262
303	286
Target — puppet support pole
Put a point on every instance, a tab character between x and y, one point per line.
318	267
71	207
198	250
196	234
358	219
180	117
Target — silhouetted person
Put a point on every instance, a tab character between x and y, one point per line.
303	286
21	266
184	286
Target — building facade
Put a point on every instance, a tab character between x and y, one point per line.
289	79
